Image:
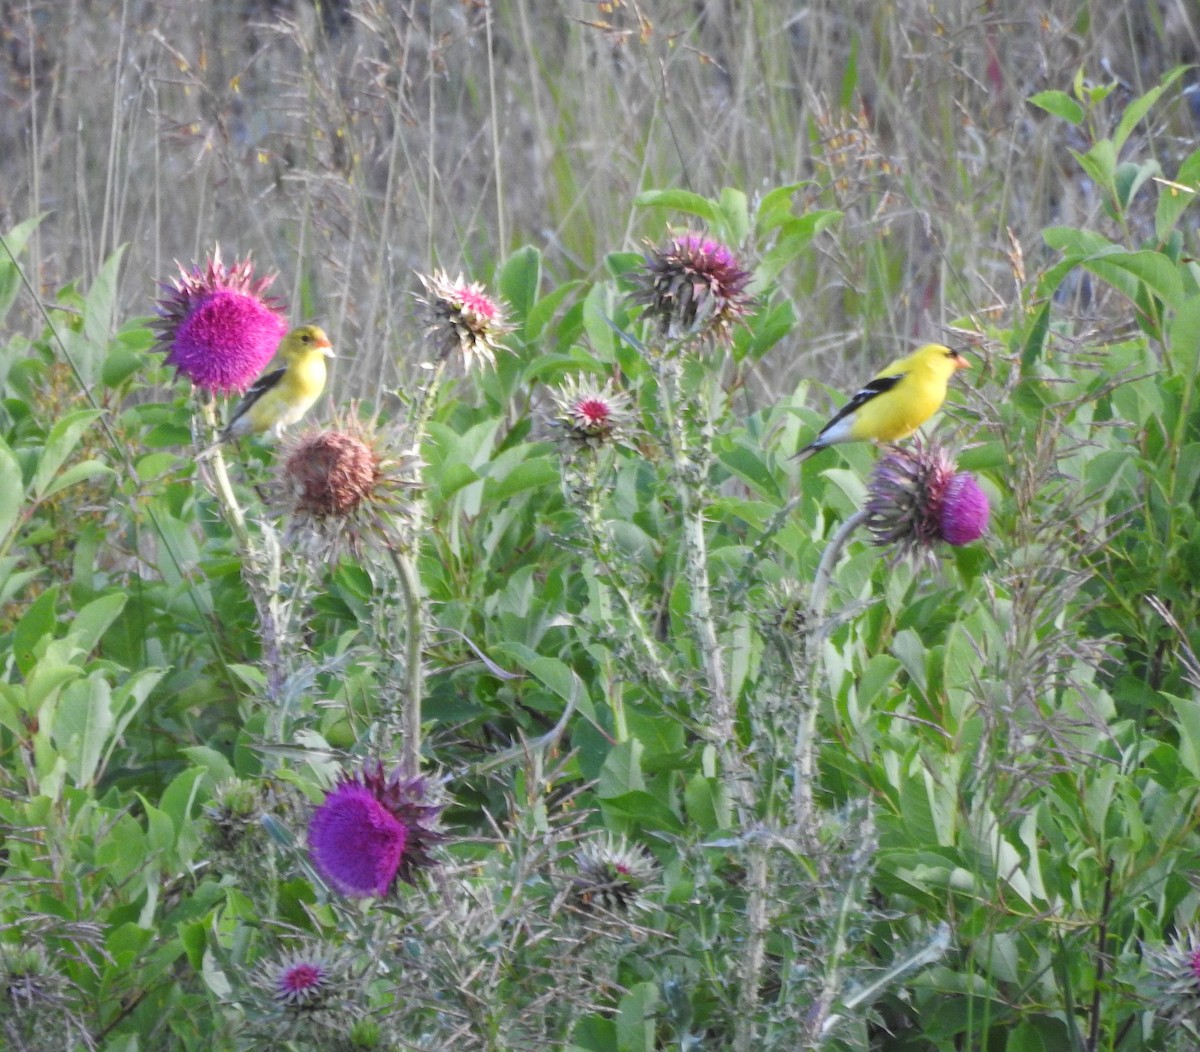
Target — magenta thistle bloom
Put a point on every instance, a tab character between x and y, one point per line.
590	413
917	497
217	326
372	829
694	286
462	316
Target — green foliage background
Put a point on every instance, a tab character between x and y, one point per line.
959	811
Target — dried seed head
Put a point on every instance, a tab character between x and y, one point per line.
341	489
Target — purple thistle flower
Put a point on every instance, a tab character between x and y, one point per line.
694	286
217	326
372	829
917	497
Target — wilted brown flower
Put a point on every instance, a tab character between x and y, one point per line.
462	316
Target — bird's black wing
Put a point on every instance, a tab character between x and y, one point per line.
872	389
257	389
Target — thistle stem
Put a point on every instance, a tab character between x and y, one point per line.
414	669
806	732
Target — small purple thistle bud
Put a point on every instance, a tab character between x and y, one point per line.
590	413
372	829
217	326
301	982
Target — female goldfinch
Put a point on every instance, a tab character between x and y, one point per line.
280	398
900	398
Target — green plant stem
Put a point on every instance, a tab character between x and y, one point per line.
406	560
754	952
690	473
804	762
414	670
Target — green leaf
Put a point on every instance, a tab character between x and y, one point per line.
1058	104
10	274
776	208
520	279
82	726
1100	162
681	201
707	804
531	474
12	493
99	317
84	471
1175	195
735	212
62	440
1130	178
94	620
635	1019
37	623
544	309
1139	107
644	808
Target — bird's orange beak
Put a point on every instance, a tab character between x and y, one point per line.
326	347
960	362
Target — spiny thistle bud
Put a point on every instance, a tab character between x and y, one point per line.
693	286
34	1000
298	981
589	413
1175	979
217	326
614	874
463	317
341	489
917	497
371	829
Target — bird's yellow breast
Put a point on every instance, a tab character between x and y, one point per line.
905	407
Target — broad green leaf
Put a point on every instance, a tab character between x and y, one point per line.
681	201
94	620
776	207
10	275
1174	196
1058	104
520	279
635	1019
82	726
99	317
531	474
644	808
735	212
37	623
62	440
84	471
1139	107
12	493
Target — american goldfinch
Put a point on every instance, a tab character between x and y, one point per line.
900	398
280	398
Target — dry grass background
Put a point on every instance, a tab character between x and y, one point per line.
348	145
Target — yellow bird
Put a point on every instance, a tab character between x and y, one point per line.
900	398
278	399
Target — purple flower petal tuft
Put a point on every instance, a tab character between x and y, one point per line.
356	843
965	510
